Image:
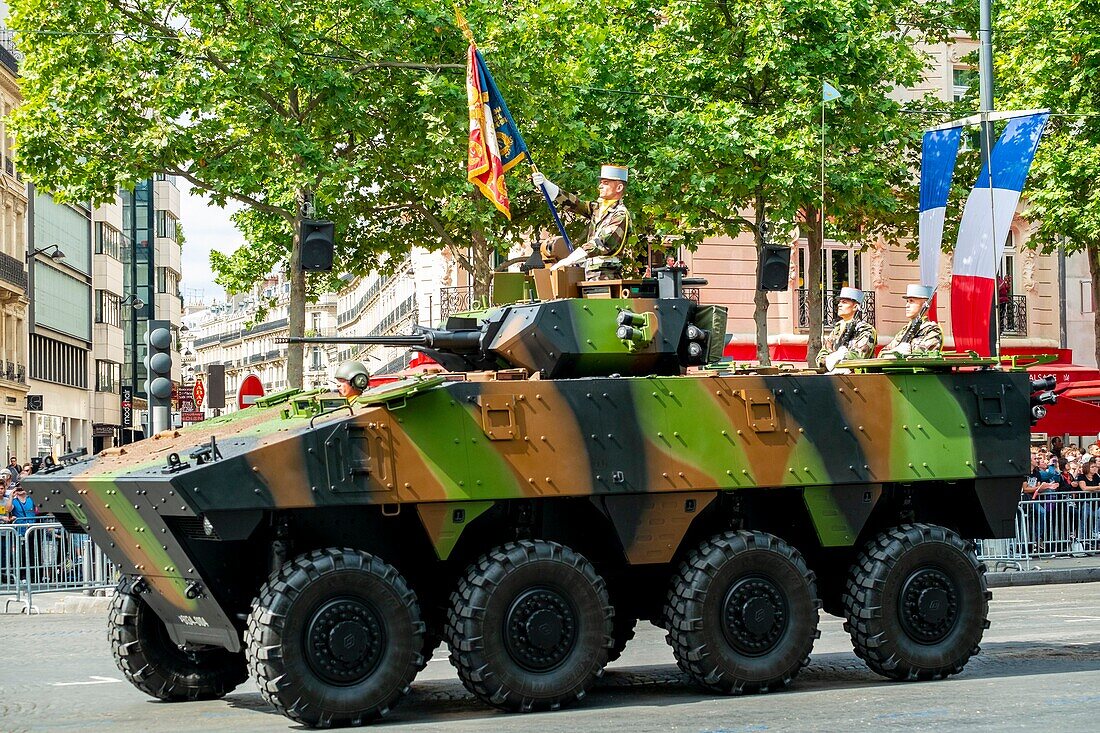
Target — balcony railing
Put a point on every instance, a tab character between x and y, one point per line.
13	372
12	271
1013	316
10	56
828	308
454	300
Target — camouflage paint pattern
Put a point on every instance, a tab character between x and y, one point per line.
652	451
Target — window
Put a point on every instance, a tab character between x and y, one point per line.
167	281
108	374
317	364
108	241
61	363
166	225
108	308
962	78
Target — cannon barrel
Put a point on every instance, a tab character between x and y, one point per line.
456	341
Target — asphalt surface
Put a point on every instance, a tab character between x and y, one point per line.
1039	668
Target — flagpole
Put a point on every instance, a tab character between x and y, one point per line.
553	209
985	93
822	207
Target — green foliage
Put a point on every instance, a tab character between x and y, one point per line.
714	105
1050	57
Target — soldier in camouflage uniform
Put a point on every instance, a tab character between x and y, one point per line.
851	337
608	223
920	335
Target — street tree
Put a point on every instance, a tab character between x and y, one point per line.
736	130
1046	56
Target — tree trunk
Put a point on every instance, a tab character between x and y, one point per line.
812	281
296	309
481	257
1093	249
760	300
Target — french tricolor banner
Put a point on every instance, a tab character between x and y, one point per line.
983	231
938	153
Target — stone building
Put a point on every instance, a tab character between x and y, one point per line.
13	270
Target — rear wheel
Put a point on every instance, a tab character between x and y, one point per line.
335	638
917	603
742	613
530	626
154	664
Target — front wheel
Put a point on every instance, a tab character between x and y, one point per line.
335	638
917	603
154	664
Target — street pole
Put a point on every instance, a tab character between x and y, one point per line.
985	106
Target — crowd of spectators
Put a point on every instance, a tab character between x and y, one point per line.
1062	495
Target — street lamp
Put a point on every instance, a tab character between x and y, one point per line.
133	301
57	255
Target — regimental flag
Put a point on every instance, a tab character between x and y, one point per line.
939	150
495	143
984	229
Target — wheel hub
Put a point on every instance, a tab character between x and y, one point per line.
540	629
755	615
929	605
345	641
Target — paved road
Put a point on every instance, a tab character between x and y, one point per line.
1039	669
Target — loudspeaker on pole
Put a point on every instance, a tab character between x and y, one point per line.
774	268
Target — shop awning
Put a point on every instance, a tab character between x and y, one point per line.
1070	416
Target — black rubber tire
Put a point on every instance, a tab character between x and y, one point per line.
295	598
477	618
700	606
154	664
622	631
874	602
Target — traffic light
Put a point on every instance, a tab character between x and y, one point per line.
317	243
158	367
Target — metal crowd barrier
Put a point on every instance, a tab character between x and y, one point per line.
1062	523
41	557
1013	552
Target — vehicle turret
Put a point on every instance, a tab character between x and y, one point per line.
660	334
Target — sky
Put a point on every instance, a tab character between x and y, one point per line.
206	227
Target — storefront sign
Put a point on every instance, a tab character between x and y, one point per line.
126	400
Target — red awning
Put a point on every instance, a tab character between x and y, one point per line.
1069	416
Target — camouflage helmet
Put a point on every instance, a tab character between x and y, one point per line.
355	373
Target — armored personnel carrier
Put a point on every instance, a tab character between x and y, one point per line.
573	472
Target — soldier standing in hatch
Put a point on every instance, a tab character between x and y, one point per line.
851	337
352	377
608	223
920	335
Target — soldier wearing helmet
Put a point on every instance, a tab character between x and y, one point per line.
352	377
608	223
851	337
921	335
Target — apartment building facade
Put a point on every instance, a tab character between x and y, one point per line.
150	249
59	252
13	269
